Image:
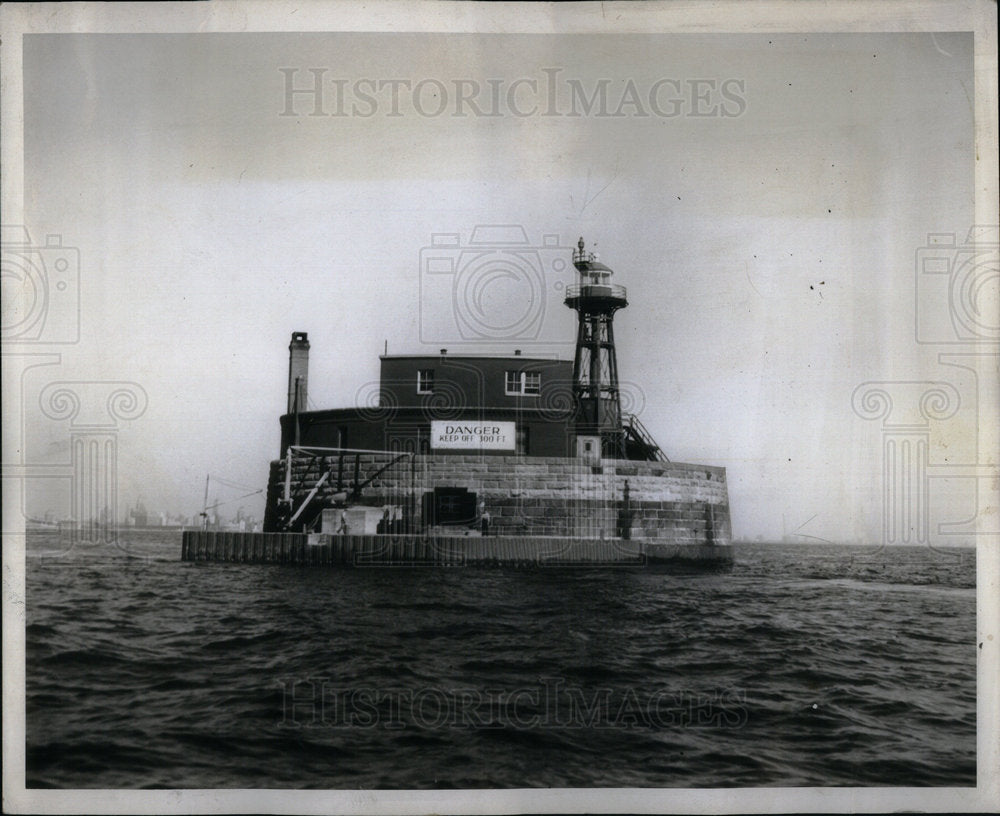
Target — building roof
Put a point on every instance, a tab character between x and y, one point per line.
450	356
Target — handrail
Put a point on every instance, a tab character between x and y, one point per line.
596	290
306	449
644	436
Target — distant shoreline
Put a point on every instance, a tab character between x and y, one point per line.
814	543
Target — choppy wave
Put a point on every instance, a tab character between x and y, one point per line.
819	665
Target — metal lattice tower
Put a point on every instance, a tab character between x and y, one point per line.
595	367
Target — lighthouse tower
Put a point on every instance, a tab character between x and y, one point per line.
595	368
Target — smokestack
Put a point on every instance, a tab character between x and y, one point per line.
298	371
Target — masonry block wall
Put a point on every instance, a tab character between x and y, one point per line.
551	496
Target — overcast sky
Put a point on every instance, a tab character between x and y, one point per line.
762	197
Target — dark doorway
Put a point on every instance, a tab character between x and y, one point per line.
449	505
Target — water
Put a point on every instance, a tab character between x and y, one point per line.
816	665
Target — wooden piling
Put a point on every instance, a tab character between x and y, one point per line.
413	550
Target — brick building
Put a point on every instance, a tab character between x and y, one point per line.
455	444
429	404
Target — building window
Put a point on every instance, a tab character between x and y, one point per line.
521	437
425	381
523	383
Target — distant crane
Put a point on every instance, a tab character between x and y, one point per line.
216	503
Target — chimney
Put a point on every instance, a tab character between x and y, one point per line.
298	371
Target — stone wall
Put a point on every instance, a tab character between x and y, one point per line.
675	502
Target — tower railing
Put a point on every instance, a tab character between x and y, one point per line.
635	429
602	289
